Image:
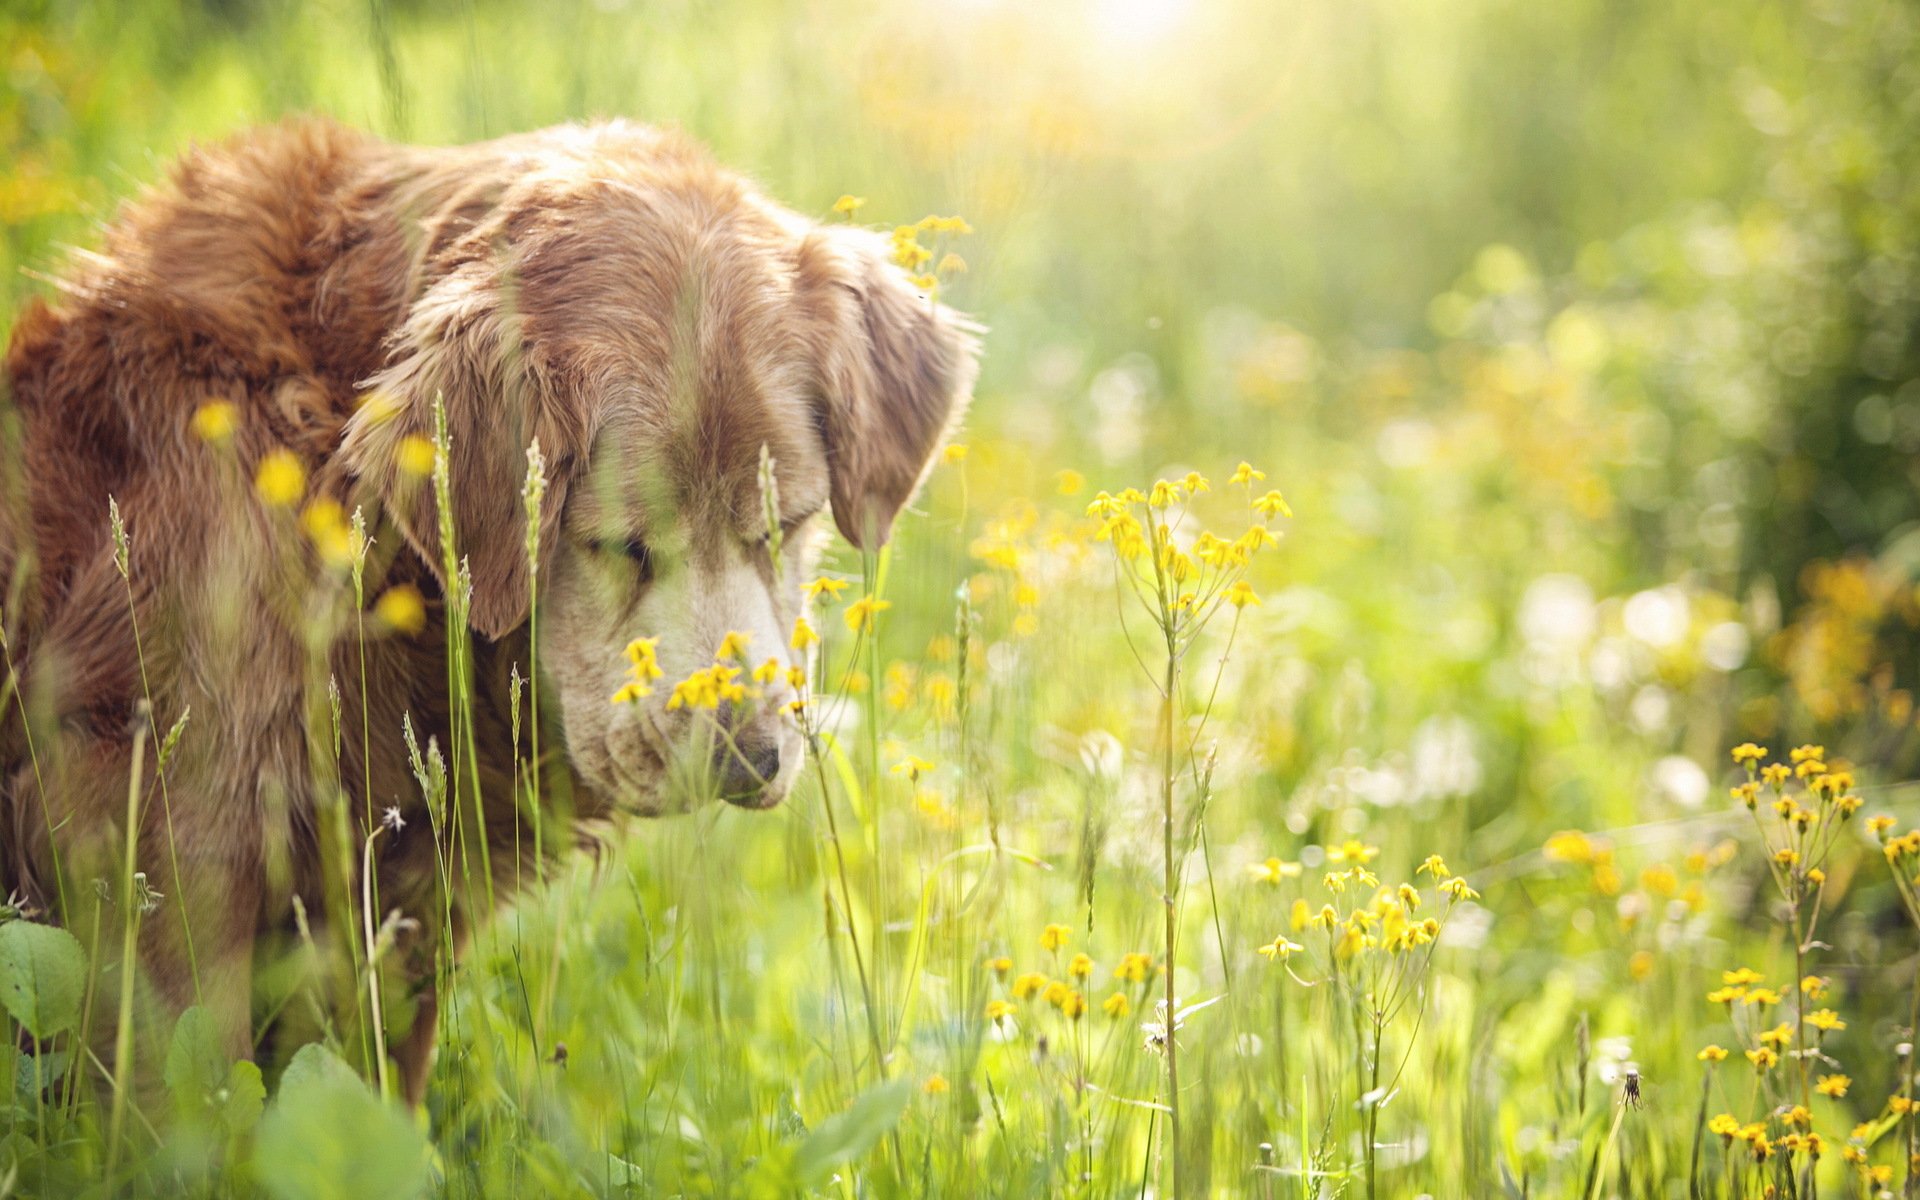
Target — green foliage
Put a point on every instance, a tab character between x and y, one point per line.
327	1136
43	974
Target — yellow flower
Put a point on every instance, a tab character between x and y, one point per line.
1352	851
1280	949
1134	967
861	612
281	479
1763	1058
1779	1035
1803	754
1273	870
847	205
1001	965
1116	1005
1272	504
1241	594
1457	889
1056	993
1434	866
768	671
1826	1020
1877	825
414	456
830	588
1026	987
215	421
631	692
643	658
1245	473
1080	967
998	1010
1726	1125
733	645
1833	1085
1074	1006
803	634
1053	937
957	452
1195	483
1761	996
1069	482
1569	846
1776	773
1747	752
936	1084
325	524
1712	1054
1164	493
401	608
1741	977
913	767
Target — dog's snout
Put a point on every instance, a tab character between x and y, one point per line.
748	768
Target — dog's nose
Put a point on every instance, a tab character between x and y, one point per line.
747	770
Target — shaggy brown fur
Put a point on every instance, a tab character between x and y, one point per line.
649	317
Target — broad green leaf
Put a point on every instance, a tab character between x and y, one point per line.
852	1133
196	1063
245	1097
328	1137
42	975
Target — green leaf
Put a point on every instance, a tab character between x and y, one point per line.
245	1098
42	975
328	1137
852	1133
196	1063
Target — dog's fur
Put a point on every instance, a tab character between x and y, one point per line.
649	317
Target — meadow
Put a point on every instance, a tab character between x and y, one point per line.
1402	686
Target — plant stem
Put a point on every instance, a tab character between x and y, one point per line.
1168	702
129	947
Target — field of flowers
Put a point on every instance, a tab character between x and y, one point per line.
1403	685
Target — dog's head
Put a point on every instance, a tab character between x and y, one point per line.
654	323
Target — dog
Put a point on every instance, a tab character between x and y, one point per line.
313	300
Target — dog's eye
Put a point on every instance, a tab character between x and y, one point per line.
633	550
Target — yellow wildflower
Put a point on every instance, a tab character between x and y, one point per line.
215	421
1833	1085
401	609
861	612
281	479
1247	474
830	588
1053	937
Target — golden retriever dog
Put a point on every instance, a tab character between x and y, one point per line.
257	349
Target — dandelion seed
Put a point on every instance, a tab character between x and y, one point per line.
392	820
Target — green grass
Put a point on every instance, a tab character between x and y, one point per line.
1582	340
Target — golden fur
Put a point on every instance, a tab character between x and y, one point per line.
648	316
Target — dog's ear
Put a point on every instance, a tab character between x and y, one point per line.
896	371
461	344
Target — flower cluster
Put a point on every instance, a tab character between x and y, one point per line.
1065	988
1183	577
1804	825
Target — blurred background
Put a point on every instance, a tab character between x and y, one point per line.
1584	332
1582	337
